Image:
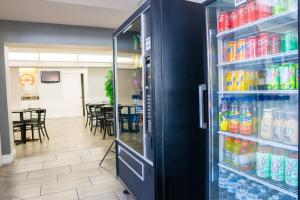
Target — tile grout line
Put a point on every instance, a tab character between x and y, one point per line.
77	193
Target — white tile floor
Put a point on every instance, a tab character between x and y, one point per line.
63	168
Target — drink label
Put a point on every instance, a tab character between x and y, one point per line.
277	167
291	171
263	164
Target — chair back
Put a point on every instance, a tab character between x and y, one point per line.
87	108
41	115
108	113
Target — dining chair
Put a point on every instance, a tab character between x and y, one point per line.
88	113
109	121
38	124
99	119
92	117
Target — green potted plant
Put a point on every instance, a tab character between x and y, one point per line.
109	86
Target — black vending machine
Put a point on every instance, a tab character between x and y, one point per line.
161	150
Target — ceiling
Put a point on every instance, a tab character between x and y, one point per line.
96	13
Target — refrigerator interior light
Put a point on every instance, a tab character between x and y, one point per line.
58	57
94	58
23	56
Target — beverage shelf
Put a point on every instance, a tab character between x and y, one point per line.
251	175
263	24
261	141
291	55
260	92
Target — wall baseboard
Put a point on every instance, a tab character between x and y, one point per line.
6	159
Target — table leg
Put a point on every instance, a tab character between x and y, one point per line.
23	129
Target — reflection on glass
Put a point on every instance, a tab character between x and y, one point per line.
253	50
130	86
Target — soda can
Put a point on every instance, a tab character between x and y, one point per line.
289	41
272	77
229	81
235	75
251	47
241	49
263	44
242	15
241	82
223	21
234	19
263	9
251	11
275	44
231	51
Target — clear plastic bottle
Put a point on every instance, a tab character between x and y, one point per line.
234	116
223	182
253	194
260	107
277	164
278	128
263	161
246	117
291	128
232	186
240	192
223	114
266	131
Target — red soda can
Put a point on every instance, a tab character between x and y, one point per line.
223	21
242	15
251	48
263	10
276	44
234	19
251	11
263	44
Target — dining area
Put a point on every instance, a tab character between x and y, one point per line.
101	117
31	120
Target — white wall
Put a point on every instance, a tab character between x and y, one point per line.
95	85
51	95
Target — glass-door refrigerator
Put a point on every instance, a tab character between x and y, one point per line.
253	89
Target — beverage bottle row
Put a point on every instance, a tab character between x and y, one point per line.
233	186
277	164
267	117
263	44
251	11
272	77
240	153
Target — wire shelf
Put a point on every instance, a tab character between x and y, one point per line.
263	24
261	141
290	55
260	92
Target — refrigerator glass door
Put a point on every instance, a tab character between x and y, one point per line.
129	87
253	98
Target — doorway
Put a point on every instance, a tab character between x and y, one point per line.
72	95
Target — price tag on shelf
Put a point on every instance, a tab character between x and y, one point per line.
239	2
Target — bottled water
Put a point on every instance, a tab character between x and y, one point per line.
232	186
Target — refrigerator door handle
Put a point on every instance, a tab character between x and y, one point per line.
202	124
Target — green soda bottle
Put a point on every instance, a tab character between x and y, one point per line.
292	76
289	41
279	6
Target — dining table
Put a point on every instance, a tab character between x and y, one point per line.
22	122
